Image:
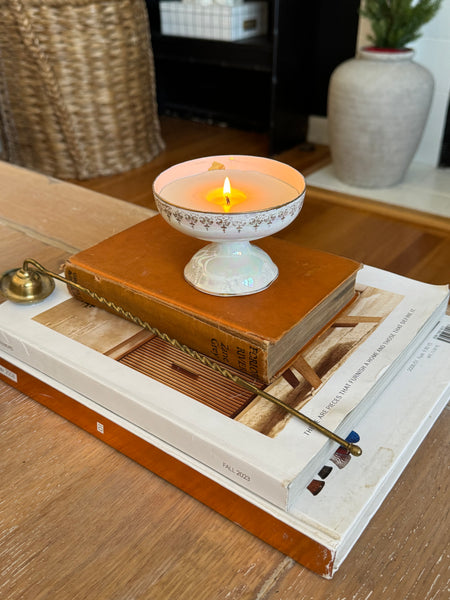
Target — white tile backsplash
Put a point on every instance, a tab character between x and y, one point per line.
429	149
439	27
434	54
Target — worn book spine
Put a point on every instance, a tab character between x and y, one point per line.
250	355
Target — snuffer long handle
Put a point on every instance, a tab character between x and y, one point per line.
352	448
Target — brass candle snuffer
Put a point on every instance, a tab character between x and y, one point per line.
32	283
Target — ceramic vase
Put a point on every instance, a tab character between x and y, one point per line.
378	104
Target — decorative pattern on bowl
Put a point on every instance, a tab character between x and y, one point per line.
235	226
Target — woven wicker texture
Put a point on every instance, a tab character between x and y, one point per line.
77	86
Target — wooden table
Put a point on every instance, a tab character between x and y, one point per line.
81	521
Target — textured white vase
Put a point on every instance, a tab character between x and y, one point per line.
378	104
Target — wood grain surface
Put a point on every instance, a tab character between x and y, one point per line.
80	521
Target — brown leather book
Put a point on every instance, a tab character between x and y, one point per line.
141	270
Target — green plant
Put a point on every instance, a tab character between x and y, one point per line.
396	23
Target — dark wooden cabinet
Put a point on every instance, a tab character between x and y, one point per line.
262	83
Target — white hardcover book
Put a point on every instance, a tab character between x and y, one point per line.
390	432
276	467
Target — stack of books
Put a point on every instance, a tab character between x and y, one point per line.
378	359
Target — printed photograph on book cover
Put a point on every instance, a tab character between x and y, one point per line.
297	384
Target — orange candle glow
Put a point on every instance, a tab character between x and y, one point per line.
249	191
226	197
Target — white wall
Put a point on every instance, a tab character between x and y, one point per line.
433	52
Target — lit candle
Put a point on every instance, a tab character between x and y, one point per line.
250	191
226	196
260	197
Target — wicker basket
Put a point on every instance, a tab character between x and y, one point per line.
77	87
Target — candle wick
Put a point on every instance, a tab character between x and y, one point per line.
227	200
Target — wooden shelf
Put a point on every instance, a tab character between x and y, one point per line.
250	83
254	54
269	83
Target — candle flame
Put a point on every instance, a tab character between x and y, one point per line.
225	196
226	187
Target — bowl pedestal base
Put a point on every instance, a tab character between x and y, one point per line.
234	268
